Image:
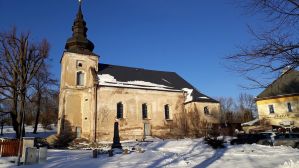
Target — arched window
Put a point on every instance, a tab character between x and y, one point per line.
80	78
144	111
120	110
271	108
289	107
166	111
206	110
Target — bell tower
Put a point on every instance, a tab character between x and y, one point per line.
78	82
79	43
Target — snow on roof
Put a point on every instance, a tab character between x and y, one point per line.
189	96
250	123
130	77
166	81
109	80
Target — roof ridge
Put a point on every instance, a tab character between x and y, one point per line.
137	68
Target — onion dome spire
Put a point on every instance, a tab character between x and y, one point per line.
79	43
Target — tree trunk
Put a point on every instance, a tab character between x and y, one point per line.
23	82
2	124
15	124
38	104
22	112
15	115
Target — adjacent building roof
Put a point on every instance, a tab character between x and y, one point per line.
286	84
121	76
251	123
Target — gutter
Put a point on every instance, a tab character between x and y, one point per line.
95	113
277	96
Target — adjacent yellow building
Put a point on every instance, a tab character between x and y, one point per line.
278	104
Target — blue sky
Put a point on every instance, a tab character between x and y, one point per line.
189	37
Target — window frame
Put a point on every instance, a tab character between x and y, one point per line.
206	110
271	109
119	110
144	110
167	112
289	106
79	64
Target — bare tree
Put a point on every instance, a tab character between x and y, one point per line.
20	60
9	80
227	108
242	109
42	83
274	49
49	108
246	107
195	122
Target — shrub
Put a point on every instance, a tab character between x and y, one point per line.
214	142
65	137
41	142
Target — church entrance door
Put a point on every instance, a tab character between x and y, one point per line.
78	132
147	129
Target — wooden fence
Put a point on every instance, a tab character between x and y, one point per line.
9	147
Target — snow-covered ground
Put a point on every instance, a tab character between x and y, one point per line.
175	153
8	132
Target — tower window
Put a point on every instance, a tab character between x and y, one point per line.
206	110
80	78
166	111
79	63
290	107
271	108
120	110
144	111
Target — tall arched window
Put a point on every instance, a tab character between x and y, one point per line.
289	107
166	111
80	78
206	110
120	110
144	111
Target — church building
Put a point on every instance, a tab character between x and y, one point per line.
94	95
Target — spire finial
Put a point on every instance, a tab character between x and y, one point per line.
79	14
80	4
